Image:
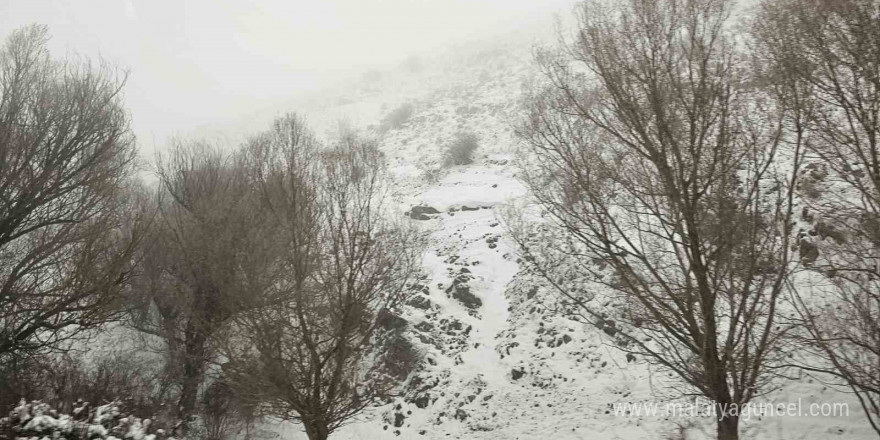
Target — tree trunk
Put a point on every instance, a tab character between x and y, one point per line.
728	427
193	366
316	430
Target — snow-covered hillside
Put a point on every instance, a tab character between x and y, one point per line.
498	362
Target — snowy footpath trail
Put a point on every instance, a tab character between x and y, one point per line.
471	239
491	277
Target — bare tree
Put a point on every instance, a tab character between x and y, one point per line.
67	233
830	50
302	355
205	261
660	165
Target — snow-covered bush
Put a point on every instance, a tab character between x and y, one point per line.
38	420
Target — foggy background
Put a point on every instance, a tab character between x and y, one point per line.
202	62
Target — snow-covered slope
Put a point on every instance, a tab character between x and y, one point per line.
498	362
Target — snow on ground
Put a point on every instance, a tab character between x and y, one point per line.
499	362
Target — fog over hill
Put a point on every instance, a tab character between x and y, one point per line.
420	220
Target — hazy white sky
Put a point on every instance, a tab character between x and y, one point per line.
196	62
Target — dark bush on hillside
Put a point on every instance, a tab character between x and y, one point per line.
461	150
397	117
401	357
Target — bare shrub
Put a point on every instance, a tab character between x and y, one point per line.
431	173
223	414
63	380
397	118
461	150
